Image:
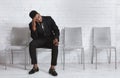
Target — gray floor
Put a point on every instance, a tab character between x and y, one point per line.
72	71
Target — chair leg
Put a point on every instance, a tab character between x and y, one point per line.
29	60
83	58
96	58
63	59
5	60
25	58
110	57
115	59
12	56
92	55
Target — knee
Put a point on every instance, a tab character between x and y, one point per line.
32	44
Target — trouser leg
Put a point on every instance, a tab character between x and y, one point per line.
32	49
54	55
43	43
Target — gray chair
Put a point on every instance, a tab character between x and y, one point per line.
73	40
102	40
19	41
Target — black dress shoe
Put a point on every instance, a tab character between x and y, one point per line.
33	70
53	72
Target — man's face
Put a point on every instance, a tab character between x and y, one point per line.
38	18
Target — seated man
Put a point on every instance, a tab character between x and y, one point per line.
45	34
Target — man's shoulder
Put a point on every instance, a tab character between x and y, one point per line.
30	23
46	17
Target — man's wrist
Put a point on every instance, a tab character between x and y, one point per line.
55	38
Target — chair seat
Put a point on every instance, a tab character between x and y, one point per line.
104	46
43	50
17	47
73	47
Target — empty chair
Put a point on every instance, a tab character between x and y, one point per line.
73	40
102	40
19	41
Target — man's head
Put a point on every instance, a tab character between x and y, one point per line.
35	15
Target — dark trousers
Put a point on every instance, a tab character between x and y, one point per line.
43	43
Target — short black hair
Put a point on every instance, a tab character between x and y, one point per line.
33	13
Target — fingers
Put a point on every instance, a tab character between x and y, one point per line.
55	42
34	19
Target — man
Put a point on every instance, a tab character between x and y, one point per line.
45	34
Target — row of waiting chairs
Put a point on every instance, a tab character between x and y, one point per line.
70	39
101	39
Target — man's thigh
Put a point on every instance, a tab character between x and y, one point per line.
48	44
38	43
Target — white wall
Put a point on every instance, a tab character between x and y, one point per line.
66	13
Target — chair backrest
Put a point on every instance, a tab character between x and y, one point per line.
19	36
61	37
101	36
73	37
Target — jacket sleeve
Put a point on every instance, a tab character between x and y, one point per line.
55	29
34	34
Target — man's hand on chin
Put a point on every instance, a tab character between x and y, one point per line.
56	42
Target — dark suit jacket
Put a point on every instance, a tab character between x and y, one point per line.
50	29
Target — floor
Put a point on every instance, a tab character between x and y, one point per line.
71	71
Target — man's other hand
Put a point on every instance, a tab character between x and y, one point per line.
56	42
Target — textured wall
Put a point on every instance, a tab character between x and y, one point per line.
66	13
